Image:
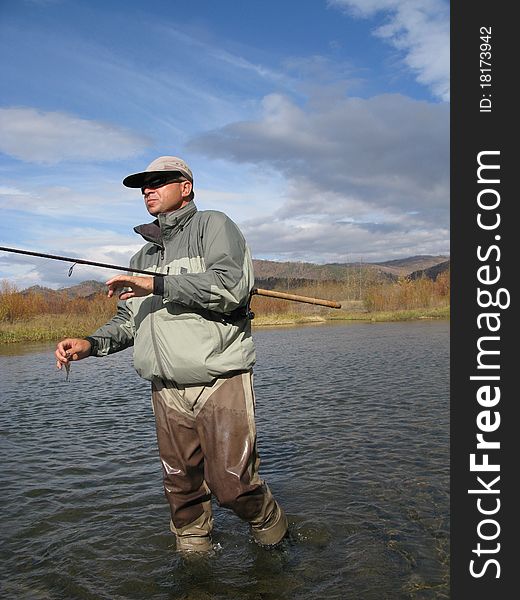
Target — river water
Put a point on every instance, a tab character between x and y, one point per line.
353	425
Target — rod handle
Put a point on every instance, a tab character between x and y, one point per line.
295	298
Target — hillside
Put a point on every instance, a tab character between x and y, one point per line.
431	272
407	266
85	289
392	269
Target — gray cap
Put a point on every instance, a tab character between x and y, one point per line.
161	165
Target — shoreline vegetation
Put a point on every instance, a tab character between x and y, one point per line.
34	316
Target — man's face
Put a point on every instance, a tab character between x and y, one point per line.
165	198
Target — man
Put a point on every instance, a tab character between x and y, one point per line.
191	334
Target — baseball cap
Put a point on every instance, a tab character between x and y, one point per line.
161	165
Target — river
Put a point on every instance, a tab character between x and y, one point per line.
353	433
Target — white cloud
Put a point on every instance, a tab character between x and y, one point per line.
418	28
89	243
388	151
51	137
340	242
108	203
61	220
367	174
7	191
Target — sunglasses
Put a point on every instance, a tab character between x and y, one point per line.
160	181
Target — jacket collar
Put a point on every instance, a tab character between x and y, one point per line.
166	225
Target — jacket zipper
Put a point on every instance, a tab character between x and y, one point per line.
153	335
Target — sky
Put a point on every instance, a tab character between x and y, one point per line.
320	127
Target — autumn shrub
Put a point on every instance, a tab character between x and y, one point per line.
18	306
409	294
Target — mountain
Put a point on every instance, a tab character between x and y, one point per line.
392	269
46	292
407	266
85	289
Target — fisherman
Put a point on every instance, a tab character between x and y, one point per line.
191	333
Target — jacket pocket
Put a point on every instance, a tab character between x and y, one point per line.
185	343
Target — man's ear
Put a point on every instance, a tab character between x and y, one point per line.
187	186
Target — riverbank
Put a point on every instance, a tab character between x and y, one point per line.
49	328
274	320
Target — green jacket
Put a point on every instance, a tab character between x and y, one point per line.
189	334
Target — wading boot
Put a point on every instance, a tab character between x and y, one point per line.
271	531
187	544
196	536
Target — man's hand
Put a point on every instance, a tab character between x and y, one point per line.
71	349
139	286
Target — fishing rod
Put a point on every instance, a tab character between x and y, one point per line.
254	291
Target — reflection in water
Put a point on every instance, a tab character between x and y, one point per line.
353	435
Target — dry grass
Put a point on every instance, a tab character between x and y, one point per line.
49	328
408	295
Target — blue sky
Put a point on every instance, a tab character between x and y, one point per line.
320	127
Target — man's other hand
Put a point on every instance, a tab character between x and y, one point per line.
139	286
